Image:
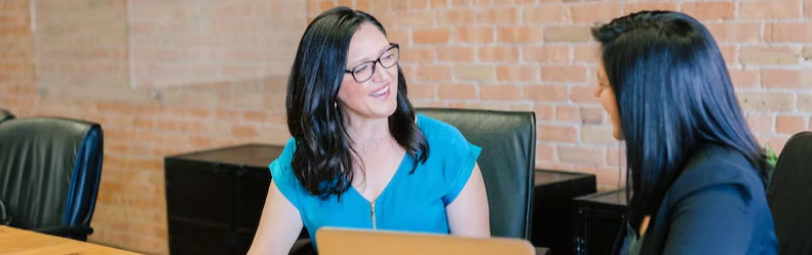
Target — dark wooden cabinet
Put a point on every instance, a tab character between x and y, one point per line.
214	198
553	219
598	218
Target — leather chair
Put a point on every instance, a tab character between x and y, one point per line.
5	115
507	161
49	174
790	197
508	141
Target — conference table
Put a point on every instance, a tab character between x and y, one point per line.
14	241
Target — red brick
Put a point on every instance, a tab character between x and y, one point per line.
474	72
710	10
789	124
500	92
517	73
500	16
581	155
520	34
544	112
592	134
786	79
498	54
456	54
589	54
805	102
544	152
430	36
735	32
788	32
556	73
456	17
663	6
418	55
768	55
766	101
547	54
433	72
457	91
770	9
745	78
546	93
567	113
244	130
550	133
591	115
421	91
474	34
570	33
583	94
595	12
547	14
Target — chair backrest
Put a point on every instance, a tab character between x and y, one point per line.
508	141
5	115
49	171
790	197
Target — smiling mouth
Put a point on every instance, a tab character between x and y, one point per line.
383	91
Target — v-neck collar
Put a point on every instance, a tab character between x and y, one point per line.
403	163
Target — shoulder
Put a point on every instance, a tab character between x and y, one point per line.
717	167
438	131
281	169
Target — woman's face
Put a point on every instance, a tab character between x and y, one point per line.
376	97
607	98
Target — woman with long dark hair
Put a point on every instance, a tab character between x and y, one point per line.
697	174
360	157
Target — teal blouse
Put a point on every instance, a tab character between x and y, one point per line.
412	202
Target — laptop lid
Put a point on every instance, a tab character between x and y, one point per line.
340	241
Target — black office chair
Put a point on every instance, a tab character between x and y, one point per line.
508	141
49	174
790	197
5	115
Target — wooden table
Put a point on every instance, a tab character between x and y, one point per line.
14	241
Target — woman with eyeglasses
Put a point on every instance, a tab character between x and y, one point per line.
697	174
360	157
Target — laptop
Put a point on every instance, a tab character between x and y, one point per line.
341	241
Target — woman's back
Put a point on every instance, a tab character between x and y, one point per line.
716	206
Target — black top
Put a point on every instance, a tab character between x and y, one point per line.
716	206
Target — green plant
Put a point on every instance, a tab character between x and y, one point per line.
772	158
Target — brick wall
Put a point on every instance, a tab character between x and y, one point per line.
103	62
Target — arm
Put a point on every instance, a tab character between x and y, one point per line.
279	225
716	220
468	214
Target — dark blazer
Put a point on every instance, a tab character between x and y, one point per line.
716	206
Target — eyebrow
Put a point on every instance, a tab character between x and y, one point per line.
366	59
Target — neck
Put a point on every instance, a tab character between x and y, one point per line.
364	131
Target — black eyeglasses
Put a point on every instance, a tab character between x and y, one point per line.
364	71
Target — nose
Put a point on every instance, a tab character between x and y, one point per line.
381	73
598	91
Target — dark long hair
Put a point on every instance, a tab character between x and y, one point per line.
323	160
674	96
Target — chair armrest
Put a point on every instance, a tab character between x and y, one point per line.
542	251
302	247
66	231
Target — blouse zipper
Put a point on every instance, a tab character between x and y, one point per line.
372	214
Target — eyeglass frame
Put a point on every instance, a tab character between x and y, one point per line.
376	62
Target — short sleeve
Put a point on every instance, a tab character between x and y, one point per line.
460	160
283	176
